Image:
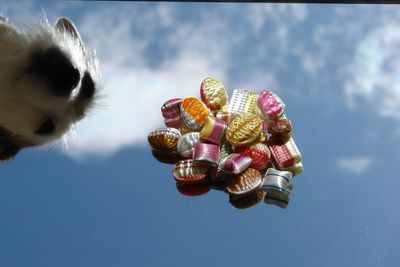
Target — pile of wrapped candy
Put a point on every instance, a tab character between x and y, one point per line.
243	147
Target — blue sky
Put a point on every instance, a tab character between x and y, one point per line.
105	201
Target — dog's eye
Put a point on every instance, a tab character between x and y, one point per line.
47	127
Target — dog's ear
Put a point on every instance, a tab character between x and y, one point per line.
65	25
8	149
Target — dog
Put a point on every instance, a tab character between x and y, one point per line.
48	82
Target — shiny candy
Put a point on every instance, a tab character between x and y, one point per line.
277	187
248	200
206	153
173	123
184	129
194	112
190	172
213	130
243	129
234	163
224	116
264	132
243	101
295	169
171	108
164	139
186	144
276	180
247	181
270	104
280	125
213	94
225	150
279	198
284	151
259	153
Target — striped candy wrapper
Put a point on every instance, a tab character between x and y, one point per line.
207	153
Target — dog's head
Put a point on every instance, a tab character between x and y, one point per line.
48	82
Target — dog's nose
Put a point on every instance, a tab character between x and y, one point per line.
54	68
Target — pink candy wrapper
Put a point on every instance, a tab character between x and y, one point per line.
207	153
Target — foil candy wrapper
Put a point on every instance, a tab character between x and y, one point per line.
206	153
165	139
186	144
243	101
194	112
284	152
171	108
279	198
173	123
295	169
277	186
270	104
243	129
259	153
213	94
190	172
247	181
213	130
234	163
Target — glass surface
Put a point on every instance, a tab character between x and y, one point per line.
105	201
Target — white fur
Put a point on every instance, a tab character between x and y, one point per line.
25	105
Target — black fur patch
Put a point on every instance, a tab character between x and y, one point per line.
87	86
55	68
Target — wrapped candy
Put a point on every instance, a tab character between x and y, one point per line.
295	169
247	181
225	150
207	153
194	113
186	144
279	125
213	94
277	188
243	101
164	139
235	163
171	108
284	151
279	198
213	130
243	129
171	112
190	172
270	104
259	153
173	122
243	147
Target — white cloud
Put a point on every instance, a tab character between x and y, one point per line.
355	165
374	73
